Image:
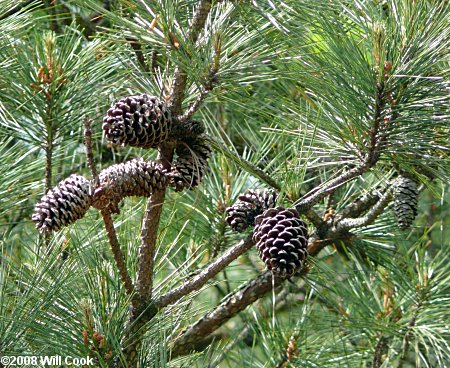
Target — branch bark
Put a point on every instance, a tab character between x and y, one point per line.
235	303
119	257
349	223
203	277
232	305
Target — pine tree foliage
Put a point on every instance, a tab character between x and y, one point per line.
325	103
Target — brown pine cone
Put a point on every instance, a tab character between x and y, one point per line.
242	213
132	178
282	240
191	165
138	121
63	205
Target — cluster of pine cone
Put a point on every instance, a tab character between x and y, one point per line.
138	121
281	237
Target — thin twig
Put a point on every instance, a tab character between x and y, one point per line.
180	77
195	106
315	219
368	162
119	257
361	205
207	85
203	277
349	223
137	48
89	154
380	349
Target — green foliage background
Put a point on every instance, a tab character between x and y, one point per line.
295	97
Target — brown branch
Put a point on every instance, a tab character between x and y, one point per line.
235	303
346	224
380	349
89	154
149	231
207	85
151	220
194	107
203	277
232	305
137	48
180	77
361	205
371	158
119	257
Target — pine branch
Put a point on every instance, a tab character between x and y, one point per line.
232	305
152	216
208	85
48	161
236	302
149	231
361	205
137	48
89	154
377	137
203	277
119	257
380	349
346	224
195	106
423	294
180	77
151	219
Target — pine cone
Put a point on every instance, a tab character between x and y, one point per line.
281	239
63	205
242	213
133	178
186	131
190	166
406	195
138	121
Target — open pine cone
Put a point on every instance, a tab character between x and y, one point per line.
138	121
63	205
243	212
281	239
132	178
191	165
